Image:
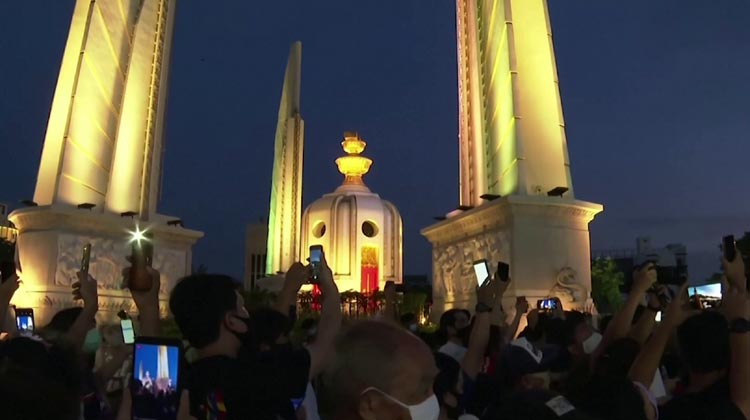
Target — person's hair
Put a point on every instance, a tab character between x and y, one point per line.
199	304
447	320
367	355
268	325
612	398
704	342
447	377
63	320
37	382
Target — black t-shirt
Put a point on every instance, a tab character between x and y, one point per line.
262	388
713	403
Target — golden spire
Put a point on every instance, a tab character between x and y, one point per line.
353	166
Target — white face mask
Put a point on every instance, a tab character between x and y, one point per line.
591	343
428	409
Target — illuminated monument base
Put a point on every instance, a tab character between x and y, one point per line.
50	242
545	240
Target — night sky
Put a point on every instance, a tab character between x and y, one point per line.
656	96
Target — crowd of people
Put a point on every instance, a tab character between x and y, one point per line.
486	362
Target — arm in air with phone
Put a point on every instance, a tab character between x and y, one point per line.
480	332
643	278
84	289
736	306
330	317
147	301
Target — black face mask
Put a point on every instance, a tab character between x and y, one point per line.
246	339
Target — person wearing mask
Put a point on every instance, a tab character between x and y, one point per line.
381	372
230	379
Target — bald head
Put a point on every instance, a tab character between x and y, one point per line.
380	355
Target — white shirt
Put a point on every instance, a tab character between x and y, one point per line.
456	351
311	404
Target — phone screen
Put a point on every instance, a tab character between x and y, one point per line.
547	304
316	254
709	295
25	321
156	370
481	271
128	334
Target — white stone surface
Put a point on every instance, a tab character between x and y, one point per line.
49	244
544	239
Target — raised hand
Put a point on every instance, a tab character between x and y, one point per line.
325	276
487	293
296	276
644	277
86	289
679	309
735	271
522	305
8	287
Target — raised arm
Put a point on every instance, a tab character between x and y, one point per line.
645	324
480	332
619	327
645	365
84	289
295	277
7	290
736	308
147	303
522	305
330	320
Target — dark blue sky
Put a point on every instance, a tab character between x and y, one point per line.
656	96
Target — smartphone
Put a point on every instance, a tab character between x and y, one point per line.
25	320
85	259
707	296
481	271
142	257
658	317
128	334
156	373
546	304
316	258
730	251
503	271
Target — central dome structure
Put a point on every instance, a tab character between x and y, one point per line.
360	232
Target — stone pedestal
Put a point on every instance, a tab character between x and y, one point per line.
50	243
544	239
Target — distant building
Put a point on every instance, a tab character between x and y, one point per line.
256	237
670	259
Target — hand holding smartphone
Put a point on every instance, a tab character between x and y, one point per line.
141	258
128	333
481	272
25	320
316	261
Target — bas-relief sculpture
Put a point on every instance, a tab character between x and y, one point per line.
452	267
107	265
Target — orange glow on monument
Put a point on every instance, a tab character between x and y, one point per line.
360	232
103	146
